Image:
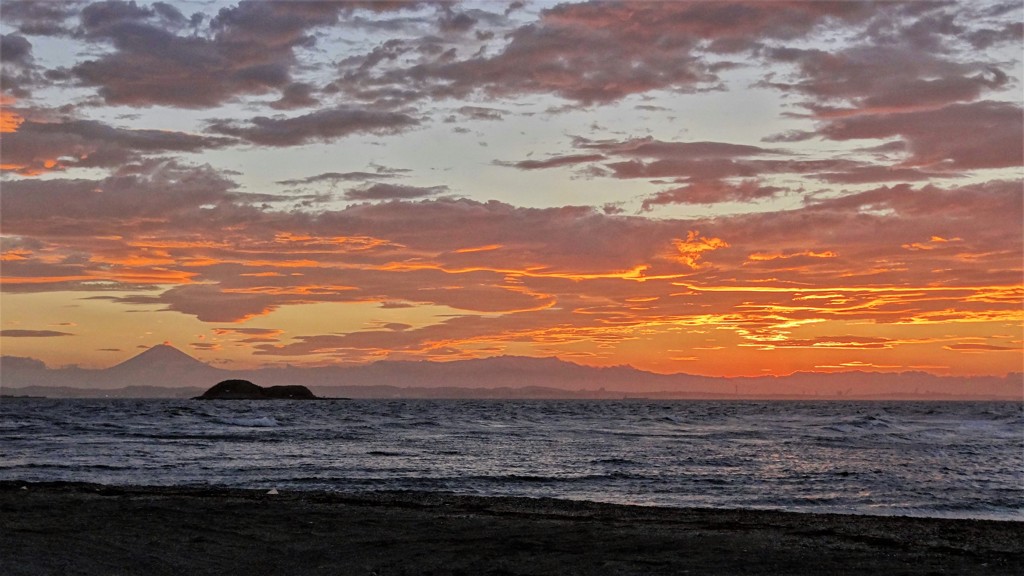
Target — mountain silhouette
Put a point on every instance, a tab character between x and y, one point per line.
161	365
161	356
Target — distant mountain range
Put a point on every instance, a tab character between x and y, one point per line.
166	372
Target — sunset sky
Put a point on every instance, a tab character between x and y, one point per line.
719	188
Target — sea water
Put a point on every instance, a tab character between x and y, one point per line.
942	459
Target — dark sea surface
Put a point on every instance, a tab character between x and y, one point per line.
943	459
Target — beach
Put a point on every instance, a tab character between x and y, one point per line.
72	528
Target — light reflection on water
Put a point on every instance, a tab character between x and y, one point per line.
934	459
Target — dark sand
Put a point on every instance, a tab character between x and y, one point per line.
89	529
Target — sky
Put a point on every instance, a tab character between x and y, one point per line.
718	188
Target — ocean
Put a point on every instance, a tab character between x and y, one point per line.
935	459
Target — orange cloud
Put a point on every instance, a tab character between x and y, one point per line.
932	243
969	347
839	343
331	244
859	365
263	274
692	249
152	276
9	121
488	248
291	290
767	256
12	255
6	279
133	260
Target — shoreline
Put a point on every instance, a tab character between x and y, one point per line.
201	490
59	527
358	392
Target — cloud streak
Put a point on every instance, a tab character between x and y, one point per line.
322	125
13	333
37	147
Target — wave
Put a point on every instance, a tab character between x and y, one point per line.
254	422
926	458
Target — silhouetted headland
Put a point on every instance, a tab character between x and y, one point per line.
245	390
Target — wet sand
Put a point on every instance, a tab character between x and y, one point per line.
60	528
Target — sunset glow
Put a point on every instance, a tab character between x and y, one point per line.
718	188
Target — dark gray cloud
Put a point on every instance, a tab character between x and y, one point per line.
987	37
452	21
594	53
44	146
33	333
380	191
249	49
659	149
554	162
651	158
17	69
152	63
334	177
15	49
295	95
101	19
481	113
790	136
322	125
50	18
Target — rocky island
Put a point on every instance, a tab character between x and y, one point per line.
245	390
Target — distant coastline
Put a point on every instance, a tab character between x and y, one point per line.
165	372
451	393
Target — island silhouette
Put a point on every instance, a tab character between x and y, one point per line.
245	390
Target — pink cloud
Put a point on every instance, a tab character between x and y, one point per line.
883	79
961	136
711	192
